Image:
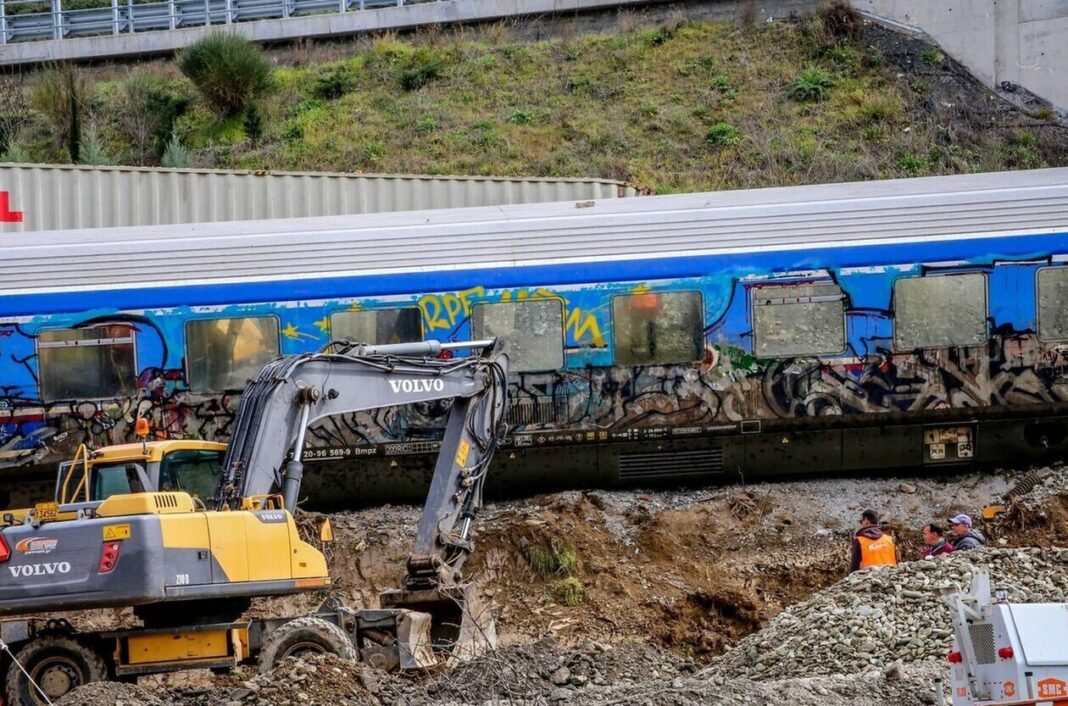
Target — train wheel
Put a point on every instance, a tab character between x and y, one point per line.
57	664
303	636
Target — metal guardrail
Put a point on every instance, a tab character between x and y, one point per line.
32	20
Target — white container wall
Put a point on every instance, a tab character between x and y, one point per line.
50	197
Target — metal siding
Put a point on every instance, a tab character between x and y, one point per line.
67	197
869	213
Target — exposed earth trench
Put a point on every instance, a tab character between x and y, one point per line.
634	597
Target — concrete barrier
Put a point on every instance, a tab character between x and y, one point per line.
1004	43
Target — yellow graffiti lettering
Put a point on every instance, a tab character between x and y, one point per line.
581	325
455	307
444	311
430	305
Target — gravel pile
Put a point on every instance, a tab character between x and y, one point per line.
877	616
111	693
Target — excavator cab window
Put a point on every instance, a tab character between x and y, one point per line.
118	479
194	471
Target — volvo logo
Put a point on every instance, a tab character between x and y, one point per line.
45	569
417	385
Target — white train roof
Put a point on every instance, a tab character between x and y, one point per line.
786	218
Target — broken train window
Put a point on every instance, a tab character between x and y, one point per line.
224	354
92	362
533	331
940	311
657	328
1052	299
377	326
801	319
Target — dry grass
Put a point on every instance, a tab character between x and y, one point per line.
637	104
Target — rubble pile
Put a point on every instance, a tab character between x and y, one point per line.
877	616
1036	486
312	679
544	673
111	693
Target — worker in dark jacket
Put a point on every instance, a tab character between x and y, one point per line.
870	546
934	537
964	537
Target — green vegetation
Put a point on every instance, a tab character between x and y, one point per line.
681	106
559	561
723	134
931	55
811	85
569	591
553	561
227	70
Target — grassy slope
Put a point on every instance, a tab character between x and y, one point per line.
634	104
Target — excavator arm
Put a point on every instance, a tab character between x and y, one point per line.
290	393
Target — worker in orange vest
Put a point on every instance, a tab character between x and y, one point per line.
870	546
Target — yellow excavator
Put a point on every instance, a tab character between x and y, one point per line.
143	535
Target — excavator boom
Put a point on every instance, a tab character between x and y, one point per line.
292	392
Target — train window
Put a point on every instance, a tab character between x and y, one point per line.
940	311
657	328
1052	295
798	319
377	326
91	362
224	354
533	330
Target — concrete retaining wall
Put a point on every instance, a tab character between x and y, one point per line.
1024	42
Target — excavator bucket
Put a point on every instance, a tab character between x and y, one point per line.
460	625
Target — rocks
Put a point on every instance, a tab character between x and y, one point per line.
887	614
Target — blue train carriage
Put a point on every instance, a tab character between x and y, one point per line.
855	327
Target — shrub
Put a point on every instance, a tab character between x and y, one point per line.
175	156
840	20
812	85
722	134
228	70
150	107
60	94
333	85
912	163
92	150
253	123
521	117
419	76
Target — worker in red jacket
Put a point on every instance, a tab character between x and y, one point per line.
870	546
934	537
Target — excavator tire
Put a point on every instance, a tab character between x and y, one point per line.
58	665
307	635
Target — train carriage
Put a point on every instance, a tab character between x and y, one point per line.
846	327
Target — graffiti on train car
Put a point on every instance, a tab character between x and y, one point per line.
595	397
